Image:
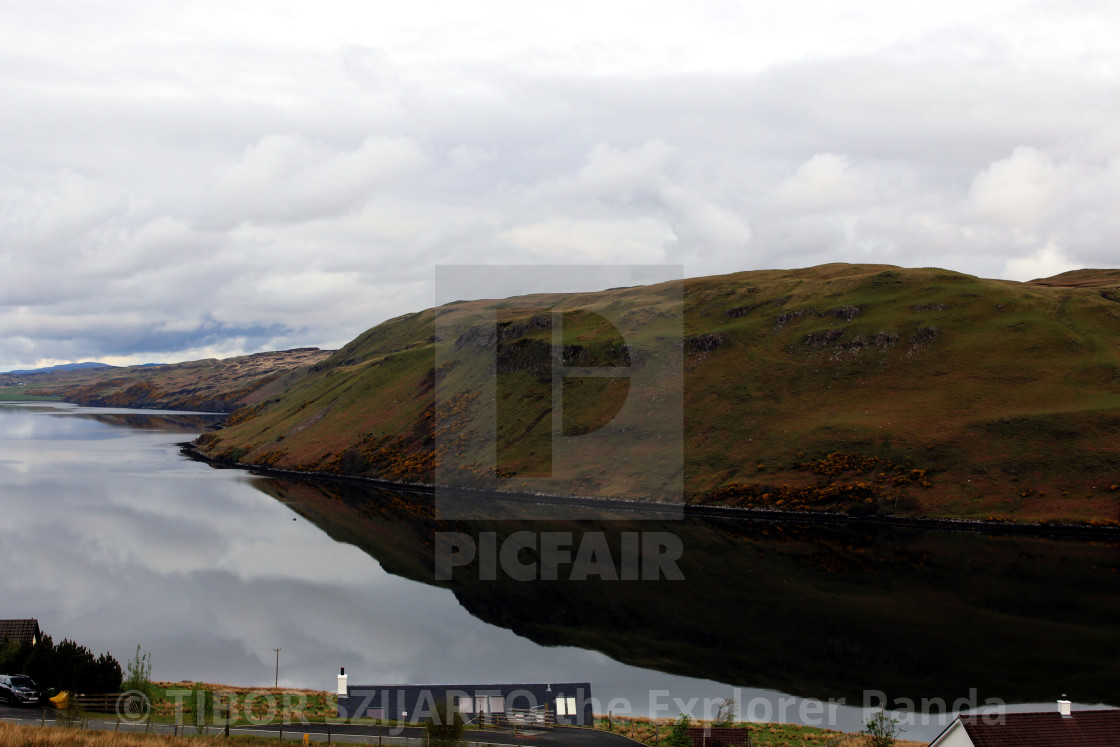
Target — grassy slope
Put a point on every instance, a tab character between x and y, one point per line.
936	393
19	394
13	735
652	732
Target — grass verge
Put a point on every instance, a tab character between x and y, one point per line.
653	731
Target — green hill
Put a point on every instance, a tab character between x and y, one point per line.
857	388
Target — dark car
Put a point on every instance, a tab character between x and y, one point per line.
19	689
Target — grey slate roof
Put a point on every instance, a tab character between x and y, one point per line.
1048	729
1080	729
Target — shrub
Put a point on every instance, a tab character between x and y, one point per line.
678	732
880	730
202	706
138	673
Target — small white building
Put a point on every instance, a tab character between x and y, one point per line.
1058	728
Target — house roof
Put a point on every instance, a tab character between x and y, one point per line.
20	630
1082	729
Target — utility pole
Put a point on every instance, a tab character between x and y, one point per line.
277	666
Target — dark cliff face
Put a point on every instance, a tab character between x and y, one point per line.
811	610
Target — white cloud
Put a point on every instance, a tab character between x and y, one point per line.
639	200
1018	190
1046	262
466	157
561	240
613	173
40	211
290	178
824	182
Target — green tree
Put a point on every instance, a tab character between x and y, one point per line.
66	666
445	727
138	673
13	656
105	675
678	732
881	730
725	713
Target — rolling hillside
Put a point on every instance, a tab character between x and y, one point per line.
209	385
857	388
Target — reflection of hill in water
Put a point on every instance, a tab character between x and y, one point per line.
173	423
810	610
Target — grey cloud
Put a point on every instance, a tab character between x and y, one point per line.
46	210
301	196
286	178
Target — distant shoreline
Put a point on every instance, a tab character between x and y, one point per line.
1080	531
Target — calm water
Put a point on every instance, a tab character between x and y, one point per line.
110	537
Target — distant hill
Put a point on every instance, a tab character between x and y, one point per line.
854	388
1082	279
209	385
87	366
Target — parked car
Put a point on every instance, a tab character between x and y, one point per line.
19	689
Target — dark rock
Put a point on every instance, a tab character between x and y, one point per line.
789	316
884	339
482	336
821	339
704	343
847	313
923	335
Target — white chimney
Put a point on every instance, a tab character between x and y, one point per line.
342	689
1064	708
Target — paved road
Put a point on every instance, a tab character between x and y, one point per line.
414	737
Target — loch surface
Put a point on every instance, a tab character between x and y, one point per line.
111	537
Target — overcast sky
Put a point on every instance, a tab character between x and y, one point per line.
185	180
